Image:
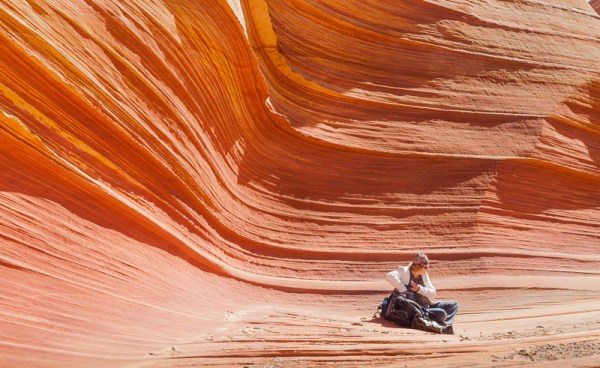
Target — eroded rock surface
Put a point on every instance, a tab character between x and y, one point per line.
225	183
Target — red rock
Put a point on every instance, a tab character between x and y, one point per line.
225	183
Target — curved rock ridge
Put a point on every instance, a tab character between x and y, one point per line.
225	183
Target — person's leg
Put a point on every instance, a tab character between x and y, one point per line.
450	308
437	314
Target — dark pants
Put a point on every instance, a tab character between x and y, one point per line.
443	312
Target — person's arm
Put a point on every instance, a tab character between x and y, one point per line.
394	278
428	290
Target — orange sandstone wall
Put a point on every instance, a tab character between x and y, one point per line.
158	157
470	91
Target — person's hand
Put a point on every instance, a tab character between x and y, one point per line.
415	287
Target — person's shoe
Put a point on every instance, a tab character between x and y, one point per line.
448	330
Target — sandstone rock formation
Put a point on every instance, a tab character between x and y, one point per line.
596	5
225	183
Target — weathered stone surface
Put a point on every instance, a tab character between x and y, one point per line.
225	183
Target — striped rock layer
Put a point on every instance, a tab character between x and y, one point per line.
225	183
596	5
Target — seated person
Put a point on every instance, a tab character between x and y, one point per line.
413	282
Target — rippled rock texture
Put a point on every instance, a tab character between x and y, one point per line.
222	183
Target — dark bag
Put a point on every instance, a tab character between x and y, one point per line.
421	300
426	324
408	313
400	310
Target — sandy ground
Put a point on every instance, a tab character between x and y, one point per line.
494	328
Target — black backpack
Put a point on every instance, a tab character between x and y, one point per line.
408	313
396	308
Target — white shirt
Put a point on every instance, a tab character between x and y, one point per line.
401	277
